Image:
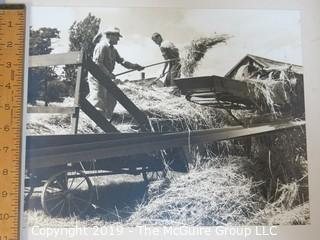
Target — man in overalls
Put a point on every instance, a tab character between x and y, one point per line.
169	51
105	55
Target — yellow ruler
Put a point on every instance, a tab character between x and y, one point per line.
12	32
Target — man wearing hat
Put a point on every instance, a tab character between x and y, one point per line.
105	55
169	51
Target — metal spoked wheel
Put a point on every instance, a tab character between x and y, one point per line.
67	193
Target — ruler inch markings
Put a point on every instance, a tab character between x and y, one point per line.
12	30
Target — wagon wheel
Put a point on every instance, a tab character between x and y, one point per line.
67	193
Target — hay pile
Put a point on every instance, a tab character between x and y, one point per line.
193	53
49	124
168	112
273	90
208	197
229	191
271	96
280	161
58	124
268	95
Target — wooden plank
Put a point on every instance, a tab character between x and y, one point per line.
198	99
43	141
77	92
224	105
222	89
75	121
138	115
204	95
212	101
63	142
55	59
51	109
108	139
85	152
214	84
96	116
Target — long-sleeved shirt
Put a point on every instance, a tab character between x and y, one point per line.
105	56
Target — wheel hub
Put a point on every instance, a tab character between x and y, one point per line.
69	195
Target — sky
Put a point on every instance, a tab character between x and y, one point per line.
271	34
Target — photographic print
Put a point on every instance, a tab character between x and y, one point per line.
165	117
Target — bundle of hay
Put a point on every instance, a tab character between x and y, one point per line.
169	112
261	94
195	52
274	89
278	87
269	96
211	196
280	160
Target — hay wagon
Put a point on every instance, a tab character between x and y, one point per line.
61	163
64	164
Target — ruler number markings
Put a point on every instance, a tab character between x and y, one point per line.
11	68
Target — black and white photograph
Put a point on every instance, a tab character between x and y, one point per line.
165	117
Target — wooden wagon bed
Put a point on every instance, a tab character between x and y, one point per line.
216	91
261	95
47	151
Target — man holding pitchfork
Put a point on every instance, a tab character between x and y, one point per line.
105	55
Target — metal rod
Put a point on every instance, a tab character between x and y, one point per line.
151	65
106	173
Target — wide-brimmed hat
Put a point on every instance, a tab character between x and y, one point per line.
113	30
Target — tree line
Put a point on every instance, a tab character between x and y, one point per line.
43	82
